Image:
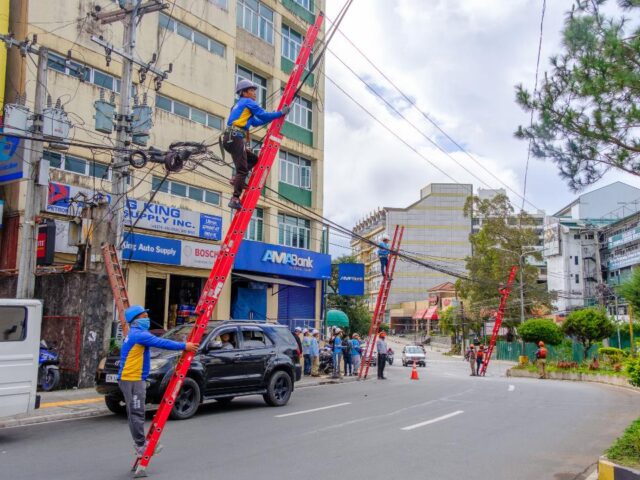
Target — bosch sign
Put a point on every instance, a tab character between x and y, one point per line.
284	258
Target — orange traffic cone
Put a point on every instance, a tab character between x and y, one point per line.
414	372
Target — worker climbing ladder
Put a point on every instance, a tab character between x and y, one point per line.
381	304
118	286
504	295
229	248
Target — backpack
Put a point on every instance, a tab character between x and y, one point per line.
346	347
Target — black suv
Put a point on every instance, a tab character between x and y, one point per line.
236	358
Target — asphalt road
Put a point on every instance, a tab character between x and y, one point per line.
445	426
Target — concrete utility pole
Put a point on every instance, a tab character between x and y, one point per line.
27	264
128	14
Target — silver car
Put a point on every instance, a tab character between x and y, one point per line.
414	353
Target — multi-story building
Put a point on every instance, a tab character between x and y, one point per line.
436	231
211	44
572	249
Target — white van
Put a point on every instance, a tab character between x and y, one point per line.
20	322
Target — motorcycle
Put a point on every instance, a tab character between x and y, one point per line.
326	361
390	356
48	370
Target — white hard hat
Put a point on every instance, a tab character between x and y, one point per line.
385	237
305	330
315	332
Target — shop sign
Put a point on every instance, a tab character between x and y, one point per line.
46	242
199	255
551	239
11	159
146	248
351	278
280	260
68	200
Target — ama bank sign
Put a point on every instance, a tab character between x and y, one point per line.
280	260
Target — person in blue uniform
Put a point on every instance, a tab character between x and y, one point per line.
246	113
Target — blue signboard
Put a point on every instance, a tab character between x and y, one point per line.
10	159
146	248
281	260
351	278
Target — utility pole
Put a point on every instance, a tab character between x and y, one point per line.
27	264
128	14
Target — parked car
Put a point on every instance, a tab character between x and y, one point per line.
414	353
259	359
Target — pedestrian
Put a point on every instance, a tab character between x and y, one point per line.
246	113
381	346
296	333
306	350
479	358
314	352
541	360
346	356
470	356
356	352
336	346
383	254
135	360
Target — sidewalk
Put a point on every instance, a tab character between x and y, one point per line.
86	402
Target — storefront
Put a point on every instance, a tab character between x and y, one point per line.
278	283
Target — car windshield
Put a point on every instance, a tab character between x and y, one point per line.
181	332
414	350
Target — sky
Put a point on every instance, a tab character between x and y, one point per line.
459	62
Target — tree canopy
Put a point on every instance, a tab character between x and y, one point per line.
588	326
587	107
541	329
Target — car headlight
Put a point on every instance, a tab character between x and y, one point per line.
102	363
158	363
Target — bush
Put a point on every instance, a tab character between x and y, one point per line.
611	355
626	449
633	369
539	329
566	365
588	326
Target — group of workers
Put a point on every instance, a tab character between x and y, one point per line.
476	358
309	344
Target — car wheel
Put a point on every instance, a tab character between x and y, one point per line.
225	400
279	389
115	404
187	401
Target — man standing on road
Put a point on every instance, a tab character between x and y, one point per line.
306	351
355	352
470	356
314	352
541	359
337	353
346	356
479	358
381	346
135	360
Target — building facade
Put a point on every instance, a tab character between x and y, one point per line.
170	245
436	231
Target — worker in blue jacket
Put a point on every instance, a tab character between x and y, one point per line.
246	113
135	360
383	254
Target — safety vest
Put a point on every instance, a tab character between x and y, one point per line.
542	352
480	354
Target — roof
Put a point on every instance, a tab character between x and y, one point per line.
443	287
567	208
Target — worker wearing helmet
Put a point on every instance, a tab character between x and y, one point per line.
381	346
246	113
541	359
383	254
135	360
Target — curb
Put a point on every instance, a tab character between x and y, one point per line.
607	470
575	377
102	410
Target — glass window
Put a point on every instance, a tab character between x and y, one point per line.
167	22
199	116
185	31
216	47
103	80
577	278
201	39
256	18
179	189
73	164
56	62
220	3
212	197
181	109
192	35
13	324
254	230
294	231
55	159
214	122
195	193
163	103
254	338
304	3
158	184
301	113
295	170
98	170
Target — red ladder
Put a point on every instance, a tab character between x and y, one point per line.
504	292
228	250
381	304
118	287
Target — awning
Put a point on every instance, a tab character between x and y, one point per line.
270	280
430	313
337	318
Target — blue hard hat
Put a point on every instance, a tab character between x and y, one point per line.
244	84
133	311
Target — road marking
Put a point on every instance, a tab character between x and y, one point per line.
433	420
512	388
71	402
302	412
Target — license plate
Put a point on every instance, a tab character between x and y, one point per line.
111	378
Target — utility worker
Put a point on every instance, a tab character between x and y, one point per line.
381	346
314	352
306	350
383	254
246	113
337	352
541	359
356	350
470	356
479	358
135	360
296	333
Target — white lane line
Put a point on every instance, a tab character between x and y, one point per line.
433	420
512	388
302	412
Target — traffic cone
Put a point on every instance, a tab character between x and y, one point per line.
414	372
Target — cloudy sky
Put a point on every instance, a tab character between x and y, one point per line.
459	60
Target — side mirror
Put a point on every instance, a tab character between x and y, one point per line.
214	345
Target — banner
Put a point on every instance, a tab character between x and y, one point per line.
351	279
12	152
